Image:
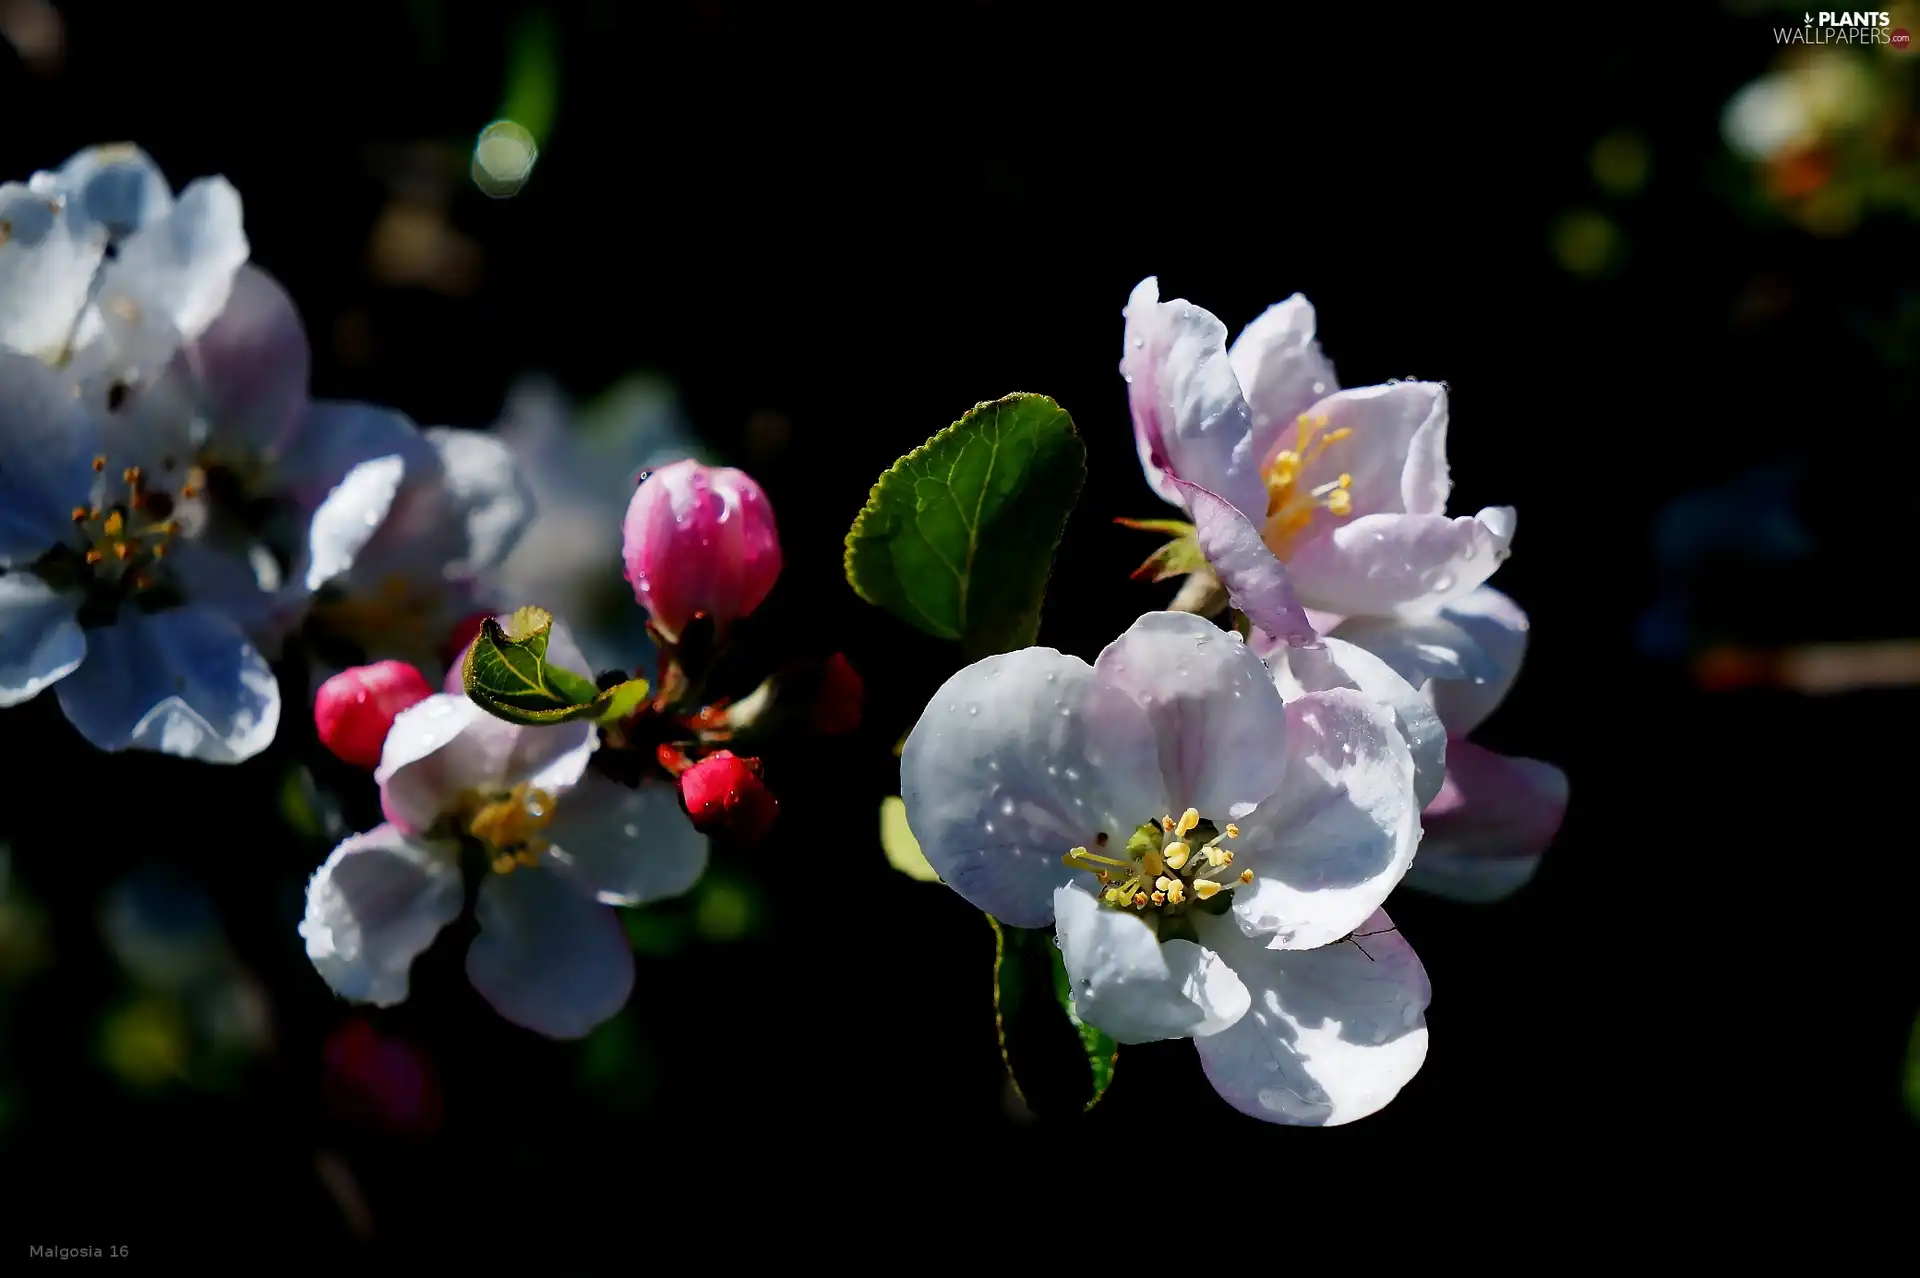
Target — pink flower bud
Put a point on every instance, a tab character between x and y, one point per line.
699	539
723	794
355	709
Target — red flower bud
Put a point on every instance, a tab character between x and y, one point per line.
723	794
355	709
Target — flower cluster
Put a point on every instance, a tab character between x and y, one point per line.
1211	819
176	507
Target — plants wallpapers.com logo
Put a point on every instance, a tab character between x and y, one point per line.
1843	27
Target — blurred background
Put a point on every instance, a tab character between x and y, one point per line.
1666	262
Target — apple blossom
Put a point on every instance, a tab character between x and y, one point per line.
1347	487
557	843
1044	790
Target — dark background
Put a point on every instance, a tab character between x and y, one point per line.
834	233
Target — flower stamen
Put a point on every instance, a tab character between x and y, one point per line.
1290	511
1162	870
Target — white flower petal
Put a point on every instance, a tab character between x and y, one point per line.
40	642
1217	720
182	265
1189	417
185	682
630	846
47	265
374	907
1382	563
114	189
1471	650
1345	665
445	746
1338	836
350	516
487	491
1379	452
47	445
548	957
1015	761
1279	366
1333	1033
1135	987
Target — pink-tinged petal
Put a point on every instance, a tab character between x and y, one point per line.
1332	1034
445	746
1189	417
1489	826
1466	655
1379	564
1383	425
1339	835
1255	579
252	365
548	956
1280	368
1218	723
1340	664
1135	987
1017	759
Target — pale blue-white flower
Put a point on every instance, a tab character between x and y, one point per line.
556	842
1213	860
106	597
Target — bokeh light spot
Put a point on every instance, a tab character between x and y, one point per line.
503	159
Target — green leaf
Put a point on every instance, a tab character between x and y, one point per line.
897	841
507	674
957	538
1058	1064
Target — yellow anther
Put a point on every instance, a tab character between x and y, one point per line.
130	476
1188	820
1140	900
1166	823
1163	882
1340	502
1176	892
1074	854
1158	898
125	549
1205	888
81	514
1152	863
503	864
1216	857
115	525
1103	876
1246	876
1176	855
1233	831
99	462
94	556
